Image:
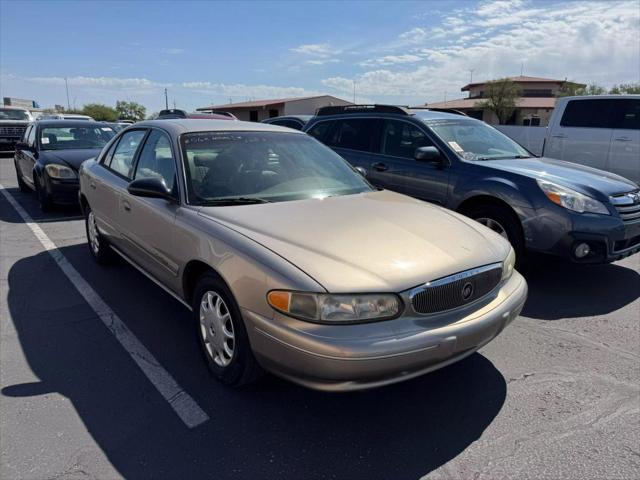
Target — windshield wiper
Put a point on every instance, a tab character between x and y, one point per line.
505	158
232	201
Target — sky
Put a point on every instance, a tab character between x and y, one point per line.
398	52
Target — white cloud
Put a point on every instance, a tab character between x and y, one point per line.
252	91
392	60
314	49
587	41
99	82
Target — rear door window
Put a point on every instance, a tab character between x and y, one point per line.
354	134
122	159
626	114
590	113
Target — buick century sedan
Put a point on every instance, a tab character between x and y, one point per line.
290	260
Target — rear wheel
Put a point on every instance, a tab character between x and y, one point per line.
502	221
98	246
222	334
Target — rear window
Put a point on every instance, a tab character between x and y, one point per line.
354	134
602	113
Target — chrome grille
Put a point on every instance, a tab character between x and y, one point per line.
628	206
456	290
12	131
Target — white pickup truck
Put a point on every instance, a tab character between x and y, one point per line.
599	131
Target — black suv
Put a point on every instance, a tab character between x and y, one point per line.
539	204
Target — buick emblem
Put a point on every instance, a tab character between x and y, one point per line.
467	291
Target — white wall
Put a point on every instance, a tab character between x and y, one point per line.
530	138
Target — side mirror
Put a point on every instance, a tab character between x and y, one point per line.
428	154
151	187
22	146
362	171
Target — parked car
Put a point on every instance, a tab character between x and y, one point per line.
290	260
297	122
538	204
65	116
13	122
51	152
597	131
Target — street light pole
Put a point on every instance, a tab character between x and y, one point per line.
66	84
166	100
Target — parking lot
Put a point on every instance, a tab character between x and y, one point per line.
557	394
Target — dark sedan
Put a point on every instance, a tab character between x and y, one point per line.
49	156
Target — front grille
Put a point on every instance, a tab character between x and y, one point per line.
12	131
456	290
628	206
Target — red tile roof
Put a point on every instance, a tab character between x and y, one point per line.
518	79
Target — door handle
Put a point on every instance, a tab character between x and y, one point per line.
560	135
126	205
622	139
380	167
92	184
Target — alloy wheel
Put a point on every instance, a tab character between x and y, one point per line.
94	239
216	328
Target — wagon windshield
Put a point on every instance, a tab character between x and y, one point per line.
256	167
473	140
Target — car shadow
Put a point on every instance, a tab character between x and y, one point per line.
29	202
266	430
559	289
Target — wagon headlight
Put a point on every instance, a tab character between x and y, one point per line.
338	308
60	171
509	265
572	200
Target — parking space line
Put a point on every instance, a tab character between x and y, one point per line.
181	402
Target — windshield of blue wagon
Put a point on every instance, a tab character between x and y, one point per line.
272	166
474	140
72	138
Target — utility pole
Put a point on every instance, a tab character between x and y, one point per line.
66	84
354	91
166	100
471	72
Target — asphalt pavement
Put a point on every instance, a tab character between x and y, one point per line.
556	395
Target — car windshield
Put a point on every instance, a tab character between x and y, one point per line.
474	140
71	138
227	167
13	114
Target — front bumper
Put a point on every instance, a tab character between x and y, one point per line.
355	357
558	231
63	192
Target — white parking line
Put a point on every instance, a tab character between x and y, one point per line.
185	406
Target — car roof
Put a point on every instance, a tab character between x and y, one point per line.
69	123
304	118
177	126
436	115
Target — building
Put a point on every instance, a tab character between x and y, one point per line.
534	107
256	111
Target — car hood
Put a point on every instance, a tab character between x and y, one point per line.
21	123
371	242
72	158
587	180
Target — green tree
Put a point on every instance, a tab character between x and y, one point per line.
501	98
130	110
571	89
626	88
100	112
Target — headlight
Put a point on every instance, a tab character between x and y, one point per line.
339	308
572	200
509	265
60	171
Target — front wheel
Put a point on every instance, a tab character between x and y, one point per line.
502	221
221	333
46	203
98	246
21	183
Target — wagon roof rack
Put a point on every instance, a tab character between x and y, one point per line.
441	109
347	109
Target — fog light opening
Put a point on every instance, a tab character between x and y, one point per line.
581	250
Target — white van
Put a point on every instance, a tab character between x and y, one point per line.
599	131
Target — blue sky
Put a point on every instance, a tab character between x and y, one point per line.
396	52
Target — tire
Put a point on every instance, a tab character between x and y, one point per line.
46	204
222	334
24	188
98	245
503	221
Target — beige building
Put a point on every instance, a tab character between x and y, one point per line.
259	110
534	107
